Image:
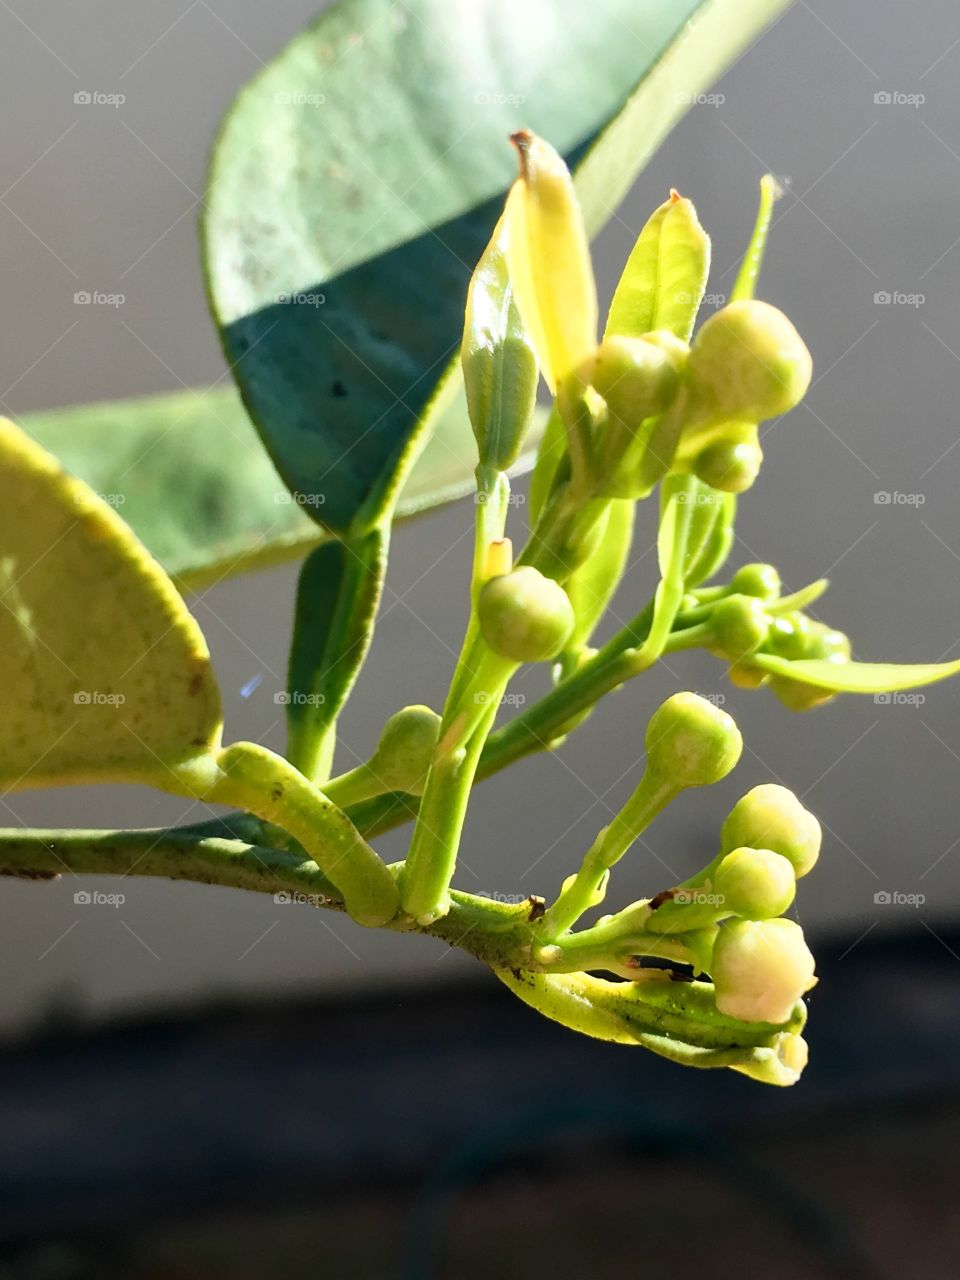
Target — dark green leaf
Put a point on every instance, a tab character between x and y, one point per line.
359	175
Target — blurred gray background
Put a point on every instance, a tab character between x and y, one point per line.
856	106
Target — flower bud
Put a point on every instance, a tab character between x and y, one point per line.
740	624
405	749
760	969
636	378
691	741
771	817
525	616
756	884
747	363
789	636
796	695
745	674
760	580
730	465
810	639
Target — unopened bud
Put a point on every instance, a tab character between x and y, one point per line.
760	580
730	465
747	363
755	884
691	741
760	969
740	625
771	817
636	378
525	616
405	749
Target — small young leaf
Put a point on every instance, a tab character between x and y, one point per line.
500	370
107	676
857	677
665	276
746	281
591	587
337	598
549	256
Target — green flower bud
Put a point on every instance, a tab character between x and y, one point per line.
747	363
692	742
760	580
740	625
756	884
525	616
636	378
760	969
405	749
771	817
798	696
729	465
790	636
745	674
812	640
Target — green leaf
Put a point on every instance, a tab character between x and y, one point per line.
337	599
500	370
106	674
190	476
746	281
358	177
857	677
663	282
591	587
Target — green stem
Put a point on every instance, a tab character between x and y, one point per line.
256	779
651	797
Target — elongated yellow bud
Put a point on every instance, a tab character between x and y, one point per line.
549	257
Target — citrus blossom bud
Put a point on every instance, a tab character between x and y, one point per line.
760	580
789	636
406	748
691	741
636	378
740	624
747	363
730	465
756	884
771	817
760	969
525	616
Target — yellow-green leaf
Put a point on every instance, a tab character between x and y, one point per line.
106	676
665	276
857	677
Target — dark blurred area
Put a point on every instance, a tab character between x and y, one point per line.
416	1134
200	1085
